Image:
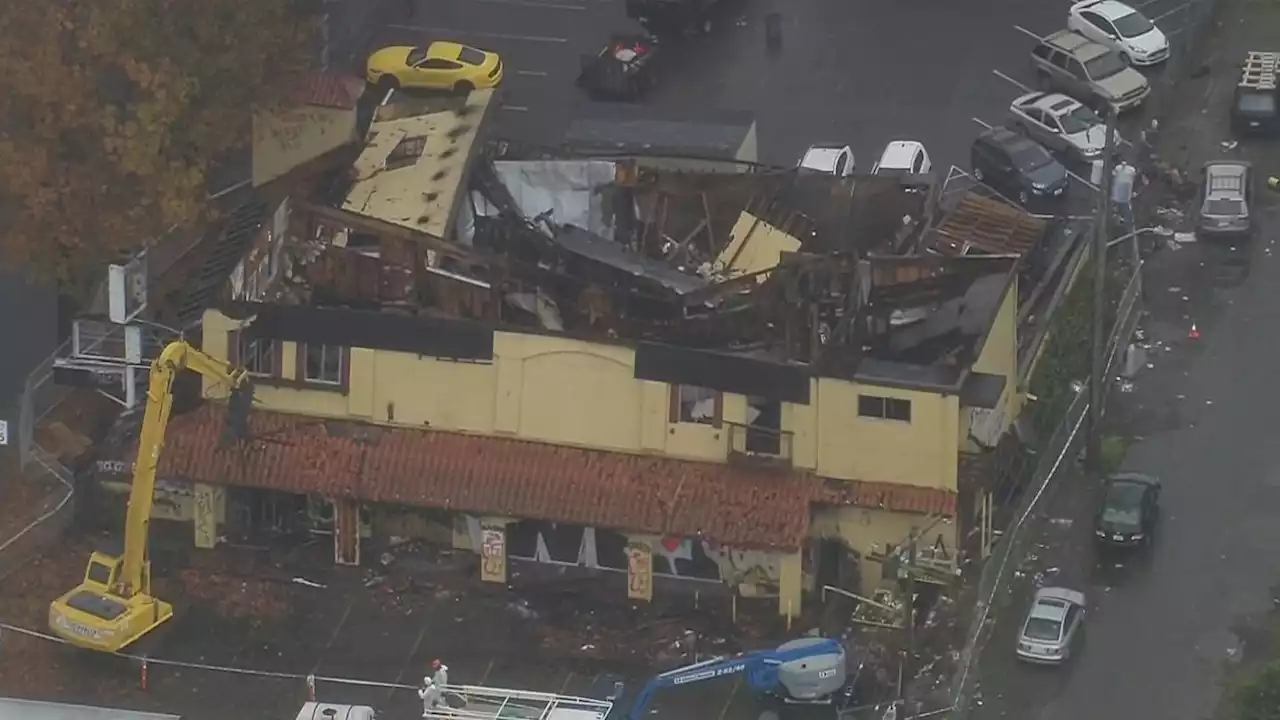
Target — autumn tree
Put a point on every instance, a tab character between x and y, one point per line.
113	112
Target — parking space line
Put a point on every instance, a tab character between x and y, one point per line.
332	638
729	700
515	108
480	33
531	73
1016	83
1028	33
404	668
1167	13
530	3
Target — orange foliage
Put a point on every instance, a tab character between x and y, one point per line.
113	111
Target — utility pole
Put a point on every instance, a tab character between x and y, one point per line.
1101	226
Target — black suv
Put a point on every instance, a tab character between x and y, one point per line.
1017	167
1130	507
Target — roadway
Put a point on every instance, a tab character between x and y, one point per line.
1163	631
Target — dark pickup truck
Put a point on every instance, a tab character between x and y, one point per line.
1254	108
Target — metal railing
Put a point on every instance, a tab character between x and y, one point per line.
757	445
1058	451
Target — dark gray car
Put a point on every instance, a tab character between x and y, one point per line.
1226	199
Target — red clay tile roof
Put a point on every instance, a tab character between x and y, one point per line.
499	476
340	92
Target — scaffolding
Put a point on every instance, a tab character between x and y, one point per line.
473	702
1259	71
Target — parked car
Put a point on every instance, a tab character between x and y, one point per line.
1016	167
438	66
1069	62
1128	512
1120	28
1062	124
1053	623
830	159
903	157
1226	196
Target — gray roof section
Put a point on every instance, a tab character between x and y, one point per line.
16	709
590	245
629	129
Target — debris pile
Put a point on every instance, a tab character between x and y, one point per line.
236	597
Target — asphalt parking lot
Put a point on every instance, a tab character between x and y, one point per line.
859	71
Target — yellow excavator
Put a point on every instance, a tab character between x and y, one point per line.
113	606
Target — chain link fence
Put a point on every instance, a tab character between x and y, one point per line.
37	491
1057	452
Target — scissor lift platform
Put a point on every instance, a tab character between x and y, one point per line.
474	702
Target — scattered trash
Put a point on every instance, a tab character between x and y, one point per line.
1228	145
1183	238
1062	522
1175	289
308	583
1126	386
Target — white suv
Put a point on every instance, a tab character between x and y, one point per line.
1120	28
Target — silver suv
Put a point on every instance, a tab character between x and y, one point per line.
1069	62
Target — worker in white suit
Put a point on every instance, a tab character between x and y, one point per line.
430	695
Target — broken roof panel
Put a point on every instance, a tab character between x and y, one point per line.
413	168
987	225
754	246
591	246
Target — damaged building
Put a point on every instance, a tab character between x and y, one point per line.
723	378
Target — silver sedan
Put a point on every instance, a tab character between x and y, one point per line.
1054	621
1061	123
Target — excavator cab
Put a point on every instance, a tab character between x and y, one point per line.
98	615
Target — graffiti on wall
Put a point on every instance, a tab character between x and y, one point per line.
493	553
749	567
600	548
640	571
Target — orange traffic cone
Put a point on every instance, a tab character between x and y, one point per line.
1195	333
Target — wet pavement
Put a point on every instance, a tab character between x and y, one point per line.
859	71
1164	627
360	636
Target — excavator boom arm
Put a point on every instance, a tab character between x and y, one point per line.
176	356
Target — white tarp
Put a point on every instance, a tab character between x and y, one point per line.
567	188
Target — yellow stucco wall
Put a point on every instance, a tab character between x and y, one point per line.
571	392
867	531
285	139
832	439
999	356
538	387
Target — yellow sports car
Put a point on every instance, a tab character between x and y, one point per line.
438	66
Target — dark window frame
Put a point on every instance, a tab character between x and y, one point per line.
675	414
343	382
880	407
238	356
